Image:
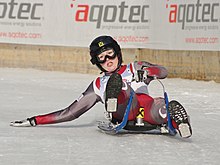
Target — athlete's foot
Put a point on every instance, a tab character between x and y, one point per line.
113	88
180	118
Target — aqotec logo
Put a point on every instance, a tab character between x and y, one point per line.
20	10
193	12
100	13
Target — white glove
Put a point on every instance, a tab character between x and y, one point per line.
140	75
29	122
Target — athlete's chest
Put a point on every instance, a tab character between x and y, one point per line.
126	74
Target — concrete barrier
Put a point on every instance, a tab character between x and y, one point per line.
200	65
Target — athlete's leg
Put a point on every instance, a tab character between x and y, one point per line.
154	109
157	113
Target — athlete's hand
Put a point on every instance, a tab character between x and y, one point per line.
29	122
140	75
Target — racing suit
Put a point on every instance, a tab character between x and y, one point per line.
154	108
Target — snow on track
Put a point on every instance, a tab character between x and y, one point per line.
27	92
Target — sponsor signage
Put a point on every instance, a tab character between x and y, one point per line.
153	24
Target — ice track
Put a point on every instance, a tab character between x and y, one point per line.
27	92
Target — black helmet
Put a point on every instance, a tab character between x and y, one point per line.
101	44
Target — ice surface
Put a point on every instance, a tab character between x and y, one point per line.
27	92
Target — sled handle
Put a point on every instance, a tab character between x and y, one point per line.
155	78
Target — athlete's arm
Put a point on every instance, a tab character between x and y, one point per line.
88	99
152	70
